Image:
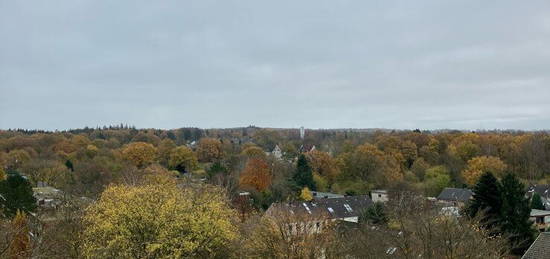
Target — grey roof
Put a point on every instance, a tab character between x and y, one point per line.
539	213
540	249
455	194
335	208
542	189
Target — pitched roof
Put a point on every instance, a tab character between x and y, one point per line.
542	189
334	208
540	249
455	194
539	213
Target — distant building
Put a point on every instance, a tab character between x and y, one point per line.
540	249
455	196
344	209
47	196
302	132
325	195
543	191
379	195
541	219
277	152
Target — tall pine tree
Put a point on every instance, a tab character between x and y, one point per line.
16	194
515	213
304	176
486	200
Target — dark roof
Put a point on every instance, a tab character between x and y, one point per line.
542	189
455	194
540	249
335	208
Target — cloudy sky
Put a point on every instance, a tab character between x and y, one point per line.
321	64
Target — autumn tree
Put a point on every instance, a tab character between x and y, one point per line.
182	159
323	164
482	164
140	154
254	152
436	179
369	164
16	195
256	174
306	194
159	220
20	243
209	150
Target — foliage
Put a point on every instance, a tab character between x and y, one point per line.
20	244
436	179
254	152
159	220
183	159
256	174
16	194
515	211
375	214
306	195
486	202
479	165
140	154
209	150
323	164
536	202
303	177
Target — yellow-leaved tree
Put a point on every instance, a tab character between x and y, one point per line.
482	164
306	194
159	220
140	154
183	159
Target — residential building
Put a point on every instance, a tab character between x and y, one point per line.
455	196
333	209
541	219
277	152
325	195
379	195
543	190
540	249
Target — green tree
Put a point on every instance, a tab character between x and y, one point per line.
375	214
436	179
536	202
16	194
183	159
486	200
303	177
515	213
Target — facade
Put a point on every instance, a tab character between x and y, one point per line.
325	195
47	197
379	195
541	219
277	152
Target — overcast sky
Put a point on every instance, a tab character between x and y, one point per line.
321	64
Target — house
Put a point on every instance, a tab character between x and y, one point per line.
540	249
543	191
334	209
455	196
379	195
47	196
541	219
325	195
277	152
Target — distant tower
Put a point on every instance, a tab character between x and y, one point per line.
302	132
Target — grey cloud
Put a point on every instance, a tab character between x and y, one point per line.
167	64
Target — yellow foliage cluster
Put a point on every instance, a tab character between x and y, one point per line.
306	194
158	220
481	164
140	153
209	149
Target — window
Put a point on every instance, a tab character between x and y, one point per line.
379	195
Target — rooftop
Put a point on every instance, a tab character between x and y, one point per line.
455	194
540	249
